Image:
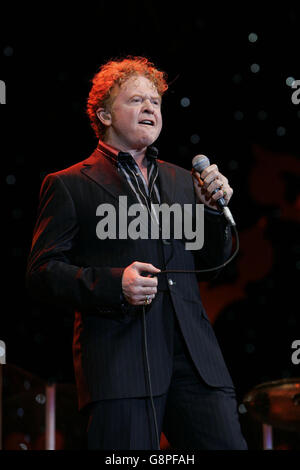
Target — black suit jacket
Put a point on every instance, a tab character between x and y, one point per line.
69	265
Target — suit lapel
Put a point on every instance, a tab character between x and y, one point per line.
105	174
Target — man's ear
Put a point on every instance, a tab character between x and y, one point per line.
104	116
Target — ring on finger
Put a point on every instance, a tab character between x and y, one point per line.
147	300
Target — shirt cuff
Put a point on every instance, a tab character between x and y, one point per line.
124	304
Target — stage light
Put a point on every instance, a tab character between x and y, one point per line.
252	37
23	446
195	139
40	399
185	102
289	81
26	385
8	51
242	409
254	68
249	348
281	131
10	179
238	115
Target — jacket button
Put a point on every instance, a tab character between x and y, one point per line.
171	282
166	242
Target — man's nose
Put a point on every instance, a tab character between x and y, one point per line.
148	107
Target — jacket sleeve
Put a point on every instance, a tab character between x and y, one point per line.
50	275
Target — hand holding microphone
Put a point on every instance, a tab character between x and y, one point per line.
211	186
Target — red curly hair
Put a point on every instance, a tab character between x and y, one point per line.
116	72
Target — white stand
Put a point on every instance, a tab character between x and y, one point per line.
267	437
50	417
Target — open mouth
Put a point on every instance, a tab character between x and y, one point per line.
147	122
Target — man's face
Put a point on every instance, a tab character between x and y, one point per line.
135	115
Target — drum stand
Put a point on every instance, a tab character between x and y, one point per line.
267	437
50	417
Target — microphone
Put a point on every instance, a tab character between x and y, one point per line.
200	162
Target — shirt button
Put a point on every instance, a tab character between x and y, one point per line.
171	282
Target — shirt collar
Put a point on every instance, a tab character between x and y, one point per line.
117	156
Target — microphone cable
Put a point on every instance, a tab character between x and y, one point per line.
148	375
215	268
177	271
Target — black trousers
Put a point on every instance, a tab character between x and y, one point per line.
191	414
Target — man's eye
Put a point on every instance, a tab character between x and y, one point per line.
136	99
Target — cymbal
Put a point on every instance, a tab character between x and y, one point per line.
276	403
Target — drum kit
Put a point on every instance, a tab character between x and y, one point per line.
36	414
275	404
35	409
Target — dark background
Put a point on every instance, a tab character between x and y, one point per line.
243	120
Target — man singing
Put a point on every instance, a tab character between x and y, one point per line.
120	362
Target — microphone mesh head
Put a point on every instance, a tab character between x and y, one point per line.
200	162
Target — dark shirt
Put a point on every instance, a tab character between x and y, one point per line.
130	170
